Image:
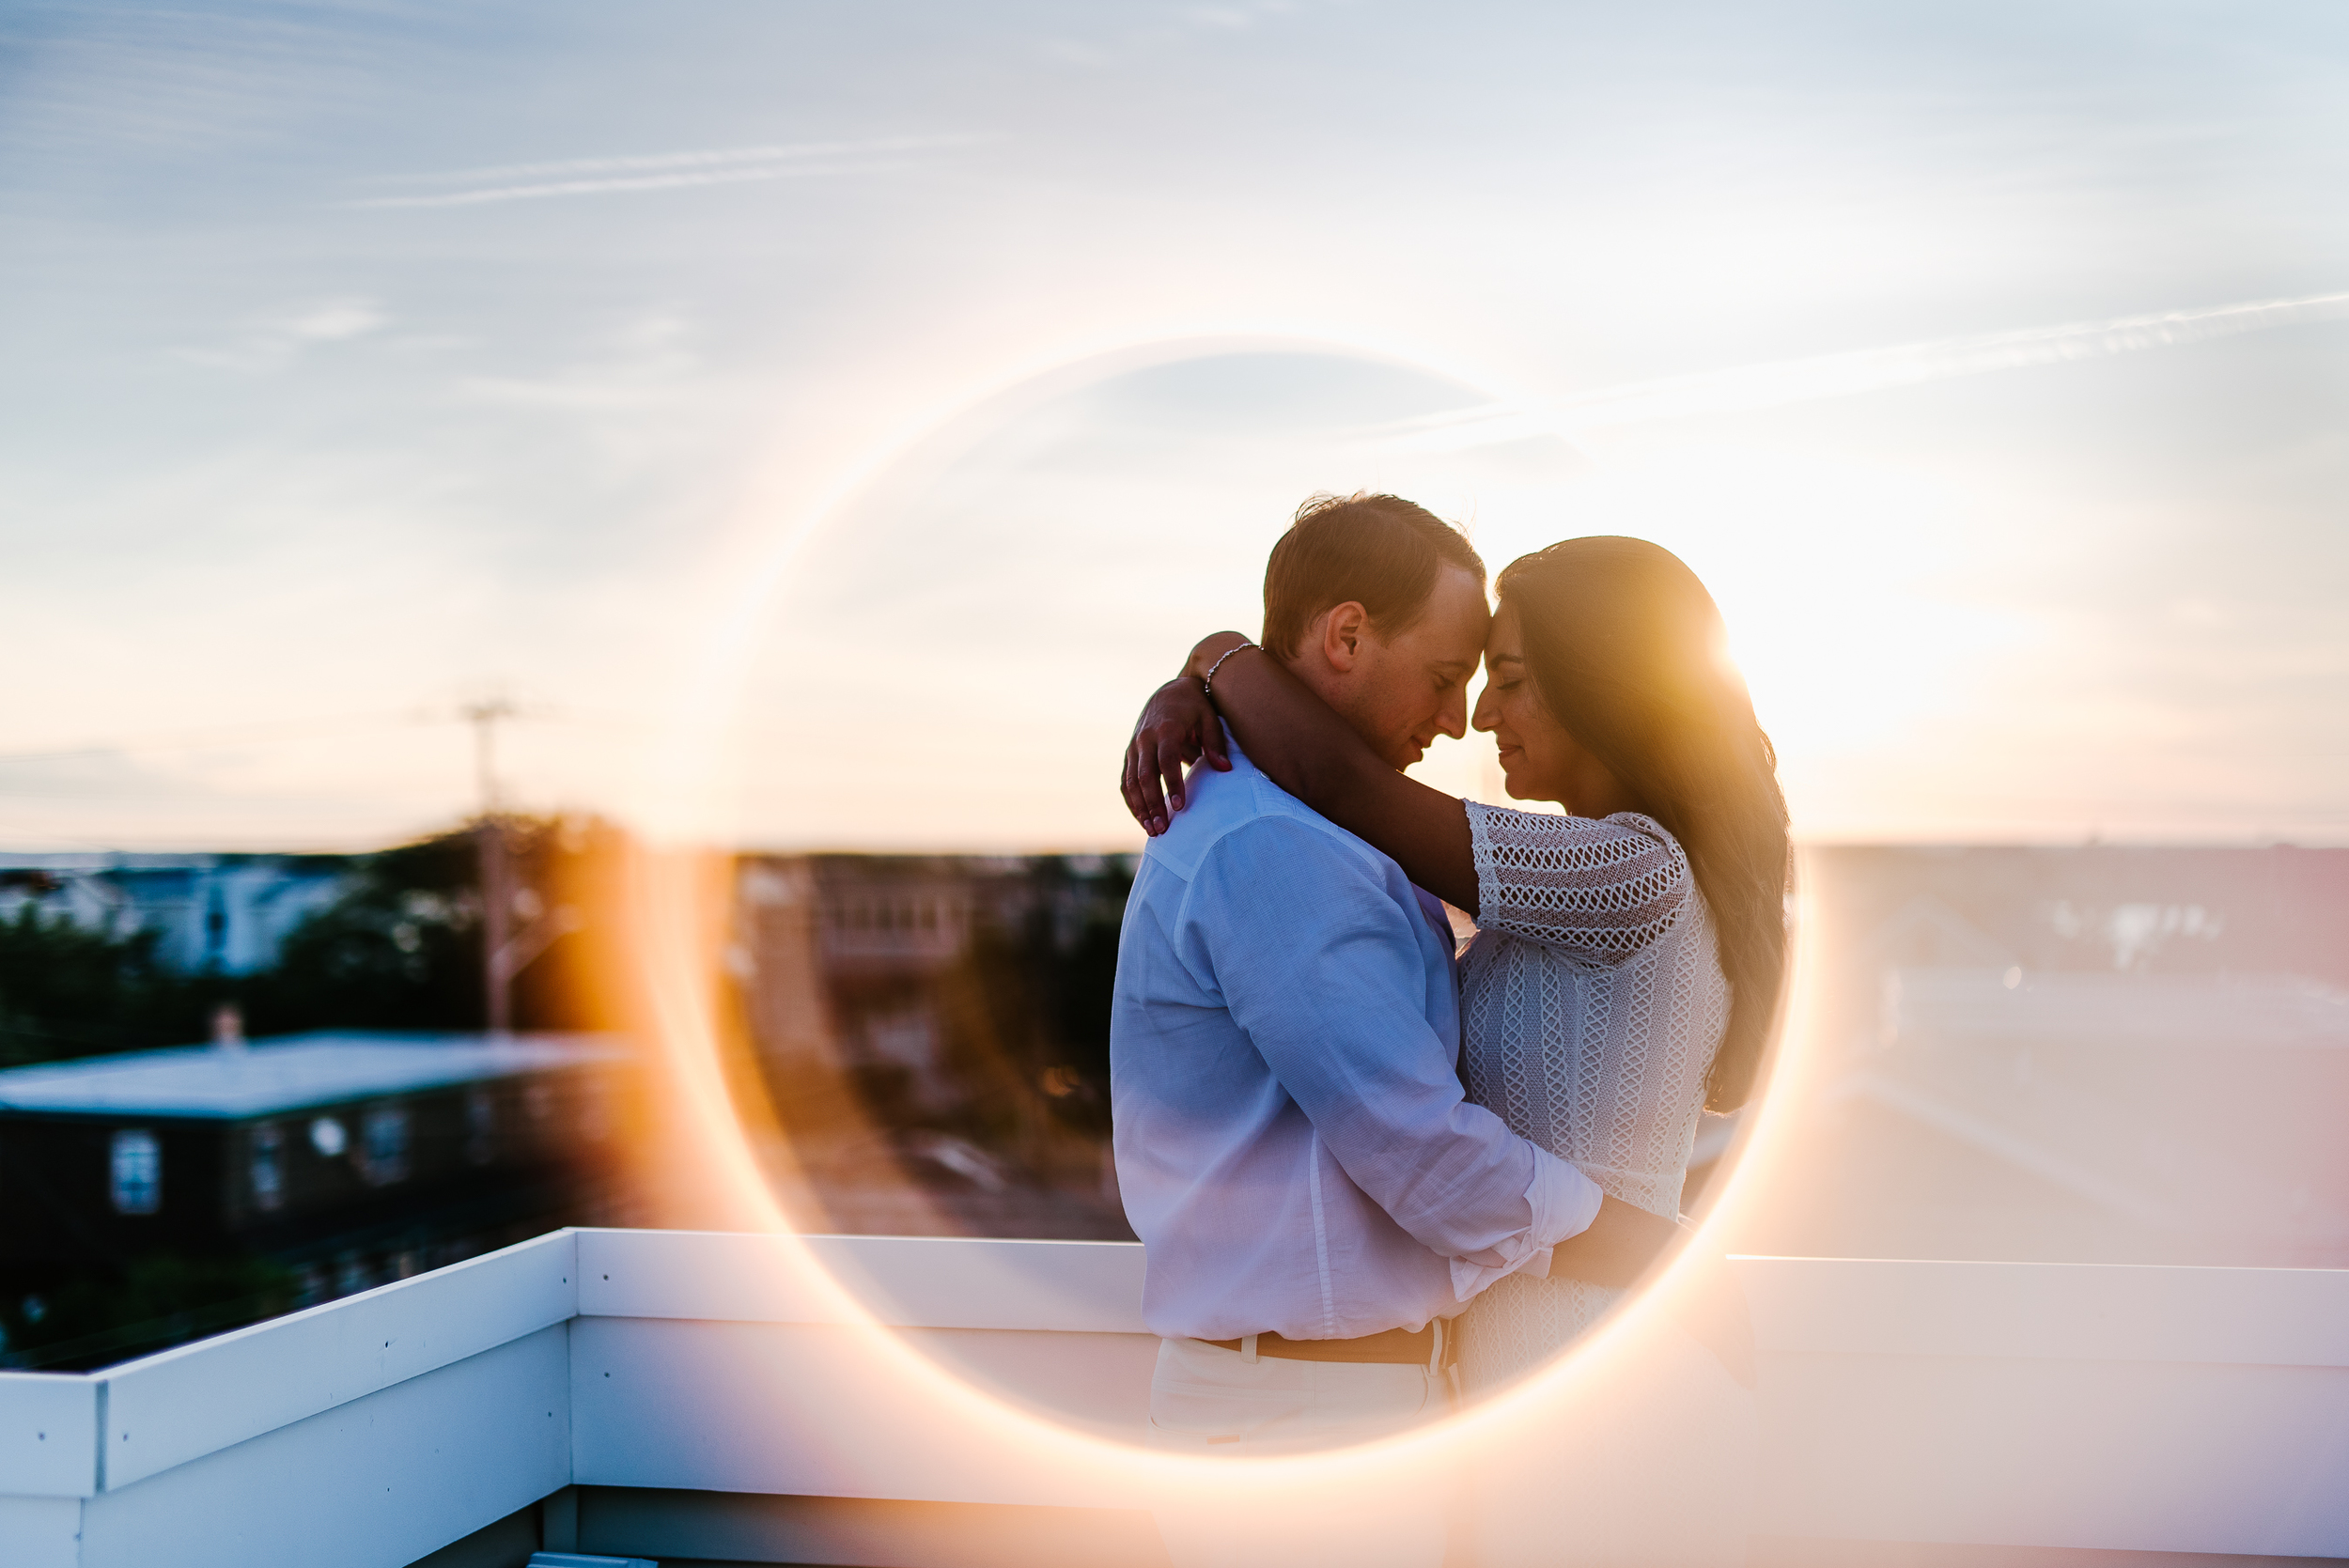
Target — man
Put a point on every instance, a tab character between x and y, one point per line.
1317	1197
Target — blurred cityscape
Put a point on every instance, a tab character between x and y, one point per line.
233	1085
2100	1054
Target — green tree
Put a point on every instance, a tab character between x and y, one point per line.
1028	1008
399	949
92	1319
65	990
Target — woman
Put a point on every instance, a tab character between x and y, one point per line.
1629	955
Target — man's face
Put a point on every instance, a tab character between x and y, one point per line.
1403	692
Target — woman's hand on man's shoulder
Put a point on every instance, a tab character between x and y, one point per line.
1179	726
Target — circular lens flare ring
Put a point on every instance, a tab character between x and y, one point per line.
682	913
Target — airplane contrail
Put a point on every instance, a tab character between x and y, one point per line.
661	171
1802	381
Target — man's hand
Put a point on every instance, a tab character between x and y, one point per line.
1176	729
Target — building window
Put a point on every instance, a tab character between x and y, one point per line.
385	1150
481	1126
137	1167
908	1038
267	1169
328	1137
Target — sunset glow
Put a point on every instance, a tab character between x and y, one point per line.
2003	429
694	499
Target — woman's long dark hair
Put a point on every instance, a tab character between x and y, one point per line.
1626	649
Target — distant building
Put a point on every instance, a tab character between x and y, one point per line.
352	1156
225	914
2123	1053
844	957
940	1023
2108	1053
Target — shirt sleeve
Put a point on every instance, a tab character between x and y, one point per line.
1320	965
1564	1201
1599	889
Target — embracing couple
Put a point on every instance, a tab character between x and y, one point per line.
1373	1169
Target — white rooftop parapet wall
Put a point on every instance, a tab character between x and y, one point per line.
2149	1409
2146	1409
387	1424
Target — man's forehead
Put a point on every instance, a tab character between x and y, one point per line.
1463	647
1467	614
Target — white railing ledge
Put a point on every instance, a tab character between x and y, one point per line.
904	1281
179	1404
74	1436
49	1434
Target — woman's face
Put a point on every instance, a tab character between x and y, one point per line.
1539	760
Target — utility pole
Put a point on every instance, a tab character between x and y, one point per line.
505	951
484	717
497	891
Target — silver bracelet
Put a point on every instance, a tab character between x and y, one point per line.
1209	680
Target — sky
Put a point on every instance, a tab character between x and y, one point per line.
823	424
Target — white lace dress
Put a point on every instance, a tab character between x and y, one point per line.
1592	1001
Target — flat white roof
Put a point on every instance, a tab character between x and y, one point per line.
289	1073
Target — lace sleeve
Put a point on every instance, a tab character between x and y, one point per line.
1598	889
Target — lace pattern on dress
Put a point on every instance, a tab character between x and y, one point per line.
1602	890
1592	1001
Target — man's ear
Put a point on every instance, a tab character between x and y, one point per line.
1344	628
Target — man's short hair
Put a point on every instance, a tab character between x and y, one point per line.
1378	550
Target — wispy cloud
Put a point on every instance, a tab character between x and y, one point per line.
332	320
1843	375
661	171
277	341
650	362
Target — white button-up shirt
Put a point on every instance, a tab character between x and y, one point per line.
1292	1141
